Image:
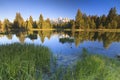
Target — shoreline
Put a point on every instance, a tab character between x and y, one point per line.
90	30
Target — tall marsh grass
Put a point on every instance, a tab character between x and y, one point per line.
23	62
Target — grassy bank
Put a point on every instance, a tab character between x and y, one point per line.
90	67
96	67
23	62
95	30
99	30
30	62
90	30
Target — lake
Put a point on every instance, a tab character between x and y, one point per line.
67	46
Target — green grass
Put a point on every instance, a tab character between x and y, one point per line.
90	67
23	62
30	62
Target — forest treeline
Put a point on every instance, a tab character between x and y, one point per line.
82	21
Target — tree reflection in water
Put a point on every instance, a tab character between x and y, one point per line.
72	37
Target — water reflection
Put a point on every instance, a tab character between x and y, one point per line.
68	37
68	44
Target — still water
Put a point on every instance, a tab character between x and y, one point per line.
66	45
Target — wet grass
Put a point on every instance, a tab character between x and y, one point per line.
23	62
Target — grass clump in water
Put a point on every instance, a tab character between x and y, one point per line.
23	61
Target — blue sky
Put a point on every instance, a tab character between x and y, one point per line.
55	8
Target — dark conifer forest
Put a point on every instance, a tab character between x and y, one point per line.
81	21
